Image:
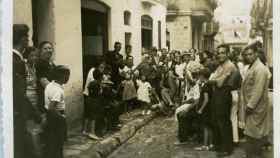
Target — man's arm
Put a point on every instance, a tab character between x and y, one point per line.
225	74
261	78
205	101
44	81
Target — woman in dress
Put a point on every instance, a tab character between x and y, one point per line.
44	68
31	56
34	129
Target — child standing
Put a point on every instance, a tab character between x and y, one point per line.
56	128
97	109
129	93
203	110
143	93
88	106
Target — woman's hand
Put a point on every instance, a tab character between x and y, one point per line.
249	111
44	82
200	111
211	82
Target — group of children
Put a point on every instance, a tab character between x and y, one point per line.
161	82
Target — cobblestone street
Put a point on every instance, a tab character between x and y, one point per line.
156	140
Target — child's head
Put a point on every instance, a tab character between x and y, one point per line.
204	74
61	74
129	61
97	75
31	54
127	76
101	66
149	59
143	77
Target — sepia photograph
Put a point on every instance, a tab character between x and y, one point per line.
142	79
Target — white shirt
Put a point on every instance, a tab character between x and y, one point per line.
193	92
179	69
242	69
54	92
126	69
89	79
143	91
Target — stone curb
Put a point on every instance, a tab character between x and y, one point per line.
108	145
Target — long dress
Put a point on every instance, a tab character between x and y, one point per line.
31	82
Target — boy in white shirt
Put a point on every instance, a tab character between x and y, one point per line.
56	128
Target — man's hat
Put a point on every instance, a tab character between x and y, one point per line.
172	52
251	46
186	53
195	67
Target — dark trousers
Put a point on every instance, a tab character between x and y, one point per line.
222	131
110	119
20	138
112	113
253	147
185	125
56	134
220	110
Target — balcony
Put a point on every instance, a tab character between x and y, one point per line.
203	9
210	28
153	2
213	3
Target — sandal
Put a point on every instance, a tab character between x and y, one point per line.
202	148
211	147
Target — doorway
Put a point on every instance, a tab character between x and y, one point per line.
94	36
147	32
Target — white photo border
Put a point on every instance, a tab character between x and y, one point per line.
6	102
6	108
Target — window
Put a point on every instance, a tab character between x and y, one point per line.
147	31
168	39
127	16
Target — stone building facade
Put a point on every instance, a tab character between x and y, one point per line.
261	20
188	22
82	30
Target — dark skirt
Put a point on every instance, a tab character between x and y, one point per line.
205	117
56	134
95	108
220	103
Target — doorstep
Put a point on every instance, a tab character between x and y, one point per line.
79	146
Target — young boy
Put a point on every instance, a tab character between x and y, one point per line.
186	114
56	128
203	109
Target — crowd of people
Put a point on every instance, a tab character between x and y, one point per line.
40	127
218	98
208	92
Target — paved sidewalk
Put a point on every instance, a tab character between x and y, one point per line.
79	146
156	140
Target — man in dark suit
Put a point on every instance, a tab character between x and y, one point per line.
23	109
115	60
221	101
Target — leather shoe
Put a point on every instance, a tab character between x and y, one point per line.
223	154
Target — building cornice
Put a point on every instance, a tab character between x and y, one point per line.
193	12
153	2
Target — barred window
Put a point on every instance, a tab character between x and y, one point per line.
127	16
